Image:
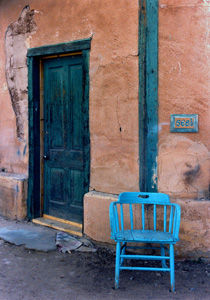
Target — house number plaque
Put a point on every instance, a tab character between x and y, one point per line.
184	123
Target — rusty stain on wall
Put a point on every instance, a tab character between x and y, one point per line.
16	66
192	173
184	168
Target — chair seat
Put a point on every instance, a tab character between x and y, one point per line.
144	236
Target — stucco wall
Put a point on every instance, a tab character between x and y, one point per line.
184	88
184	76
113	26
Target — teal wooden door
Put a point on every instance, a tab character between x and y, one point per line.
65	173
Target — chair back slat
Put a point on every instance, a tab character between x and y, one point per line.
131	215
143	217
165	218
154	216
171	219
174	222
116	218
122	216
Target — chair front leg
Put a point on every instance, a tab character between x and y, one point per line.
123	253
162	251
117	266
172	277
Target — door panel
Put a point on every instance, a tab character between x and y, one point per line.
77	141
57	184
64	171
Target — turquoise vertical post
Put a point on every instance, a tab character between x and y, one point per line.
148	94
152	93
142	95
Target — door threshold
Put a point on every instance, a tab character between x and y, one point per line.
59	224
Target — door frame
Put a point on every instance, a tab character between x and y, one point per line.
34	207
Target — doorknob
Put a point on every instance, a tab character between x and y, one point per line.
46	157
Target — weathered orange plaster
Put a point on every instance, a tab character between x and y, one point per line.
113	26
184	76
13	195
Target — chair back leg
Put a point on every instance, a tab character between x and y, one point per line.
117	266
172	277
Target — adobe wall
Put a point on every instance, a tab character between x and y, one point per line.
113	26
184	75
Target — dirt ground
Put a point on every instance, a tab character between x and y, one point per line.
27	275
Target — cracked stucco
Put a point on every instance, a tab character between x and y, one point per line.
16	36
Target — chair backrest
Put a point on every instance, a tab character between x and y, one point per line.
138	197
145	211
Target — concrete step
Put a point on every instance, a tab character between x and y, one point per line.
59	224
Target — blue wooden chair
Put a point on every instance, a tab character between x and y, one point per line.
147	218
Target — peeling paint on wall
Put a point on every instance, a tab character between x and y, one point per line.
16	66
